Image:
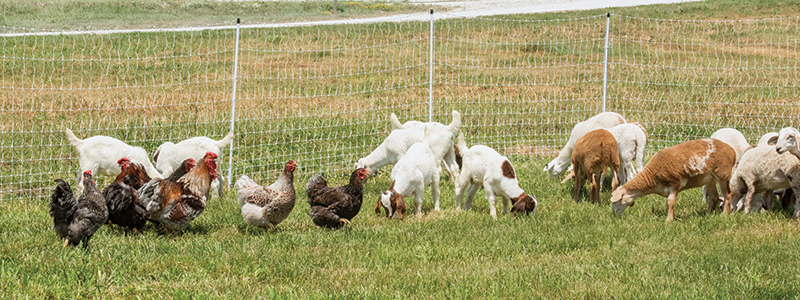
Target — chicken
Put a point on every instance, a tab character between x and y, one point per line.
186	166
122	200
174	204
76	220
267	206
334	207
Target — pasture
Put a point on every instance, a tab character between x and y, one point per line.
322	95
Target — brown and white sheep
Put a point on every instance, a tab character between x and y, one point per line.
684	166
593	153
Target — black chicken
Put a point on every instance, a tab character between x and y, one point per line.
334	207
88	213
122	200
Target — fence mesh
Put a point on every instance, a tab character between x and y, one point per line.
322	94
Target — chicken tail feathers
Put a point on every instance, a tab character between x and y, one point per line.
315	183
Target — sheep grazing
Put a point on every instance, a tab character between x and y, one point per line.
558	165
484	166
404	136
632	146
100	154
593	153
415	170
762	170
684	166
169	156
736	140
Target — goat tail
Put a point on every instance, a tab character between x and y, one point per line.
462	144
395	122
224	141
456	123
73	140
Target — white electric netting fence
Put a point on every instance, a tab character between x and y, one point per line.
322	94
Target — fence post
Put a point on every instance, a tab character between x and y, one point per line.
233	101
430	74
605	63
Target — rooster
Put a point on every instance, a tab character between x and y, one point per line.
334	207
121	197
267	206
175	204
76	220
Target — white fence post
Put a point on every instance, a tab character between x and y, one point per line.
605	63
430	74
233	101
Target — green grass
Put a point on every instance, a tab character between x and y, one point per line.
566	250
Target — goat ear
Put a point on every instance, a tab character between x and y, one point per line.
378	206
392	186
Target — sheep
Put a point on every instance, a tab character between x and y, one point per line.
169	156
100	155
593	153
483	165
787	141
736	140
757	203
603	120
400	139
632	146
415	170
684	166
762	170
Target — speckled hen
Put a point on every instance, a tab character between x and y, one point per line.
267	206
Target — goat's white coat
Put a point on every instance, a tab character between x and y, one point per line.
603	120
481	166
169	156
100	154
412	173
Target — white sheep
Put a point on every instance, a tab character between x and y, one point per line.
100	154
684	166
484	166
762	170
738	142
632	146
412	173
787	141
401	139
558	165
169	156
593	153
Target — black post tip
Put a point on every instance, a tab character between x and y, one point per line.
238	20
431	10
608	15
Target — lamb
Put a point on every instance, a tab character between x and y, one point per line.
593	153
483	165
401	139
736	140
415	170
100	154
169	156
762	170
558	165
684	166
632	146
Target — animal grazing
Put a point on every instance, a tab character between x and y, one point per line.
737	141
334	207
558	165
267	206
403	136
631	140
174	204
122	200
593	153
100	154
412	173
392	203
483	166
762	170
684	166
77	220
169	156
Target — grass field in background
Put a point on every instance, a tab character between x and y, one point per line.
565	251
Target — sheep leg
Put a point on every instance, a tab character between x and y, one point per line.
749	199
725	189
594	188
673	194
796	193
578	180
614	179
435	192
473	188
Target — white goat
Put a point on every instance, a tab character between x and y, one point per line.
603	120
100	154
632	146
401	139
415	170
169	156
762	170
484	166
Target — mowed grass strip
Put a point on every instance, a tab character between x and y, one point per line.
566	250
